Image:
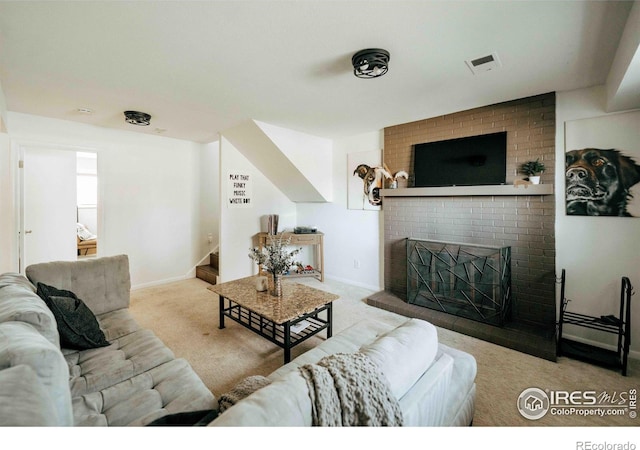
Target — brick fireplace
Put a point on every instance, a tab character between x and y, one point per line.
521	220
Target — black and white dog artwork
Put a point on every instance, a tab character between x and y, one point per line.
598	182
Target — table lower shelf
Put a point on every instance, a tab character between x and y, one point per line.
283	335
592	354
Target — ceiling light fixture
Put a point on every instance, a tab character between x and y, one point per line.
137	118
370	63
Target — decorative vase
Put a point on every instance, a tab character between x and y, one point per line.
262	284
276	285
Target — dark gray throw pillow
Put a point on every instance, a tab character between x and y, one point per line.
77	325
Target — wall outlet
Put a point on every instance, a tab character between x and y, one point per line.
356	263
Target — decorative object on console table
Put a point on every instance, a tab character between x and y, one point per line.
314	239
272	224
276	258
533	169
305	230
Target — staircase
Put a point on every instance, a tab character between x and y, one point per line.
209	272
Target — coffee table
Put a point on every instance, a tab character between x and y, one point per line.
286	321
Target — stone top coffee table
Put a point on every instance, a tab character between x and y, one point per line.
286	321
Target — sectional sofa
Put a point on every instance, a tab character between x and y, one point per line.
433	383
134	379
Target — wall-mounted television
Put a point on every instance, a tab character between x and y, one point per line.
469	161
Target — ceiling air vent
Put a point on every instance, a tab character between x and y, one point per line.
484	63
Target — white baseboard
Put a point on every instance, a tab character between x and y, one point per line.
633	354
160	282
354	283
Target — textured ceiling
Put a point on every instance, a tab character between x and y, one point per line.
202	67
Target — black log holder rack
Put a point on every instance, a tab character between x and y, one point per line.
619	325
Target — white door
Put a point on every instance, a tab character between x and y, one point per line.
48	206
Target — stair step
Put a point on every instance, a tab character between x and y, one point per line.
214	260
207	273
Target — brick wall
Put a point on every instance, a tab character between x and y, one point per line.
526	223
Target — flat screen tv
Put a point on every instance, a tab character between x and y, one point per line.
469	161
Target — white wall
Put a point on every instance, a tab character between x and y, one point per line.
8	252
3	111
239	225
349	234
595	251
149	190
8	232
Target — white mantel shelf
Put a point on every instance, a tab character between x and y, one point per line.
507	189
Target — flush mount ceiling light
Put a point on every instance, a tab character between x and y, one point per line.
370	63
137	118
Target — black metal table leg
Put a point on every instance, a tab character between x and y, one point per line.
329	319
287	342
221	306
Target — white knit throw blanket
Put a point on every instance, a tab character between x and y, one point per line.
350	390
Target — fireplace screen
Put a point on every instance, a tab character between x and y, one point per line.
466	280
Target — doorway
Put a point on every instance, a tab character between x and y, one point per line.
87	204
57	189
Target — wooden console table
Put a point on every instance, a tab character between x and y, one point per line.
314	239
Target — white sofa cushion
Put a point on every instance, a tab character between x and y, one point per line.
20	343
462	386
411	347
427	402
404	353
104	284
283	403
20	304
24	401
16	279
169	388
348	340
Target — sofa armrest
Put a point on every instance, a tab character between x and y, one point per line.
283	403
24	400
104	284
21	344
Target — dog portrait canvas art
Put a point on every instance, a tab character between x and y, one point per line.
364	183
372	181
602	166
598	182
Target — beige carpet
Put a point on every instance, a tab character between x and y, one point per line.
184	315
